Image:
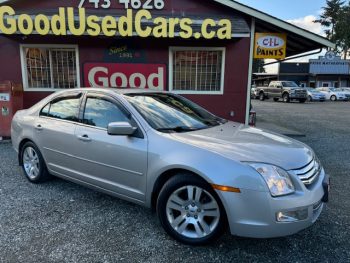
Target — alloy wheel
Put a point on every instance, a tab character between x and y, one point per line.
193	212
31	163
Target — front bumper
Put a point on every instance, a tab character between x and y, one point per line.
253	214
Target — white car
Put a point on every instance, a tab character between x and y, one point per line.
332	94
346	91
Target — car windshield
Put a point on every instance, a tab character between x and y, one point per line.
172	113
312	90
333	89
289	84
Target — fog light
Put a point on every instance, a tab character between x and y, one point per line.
292	216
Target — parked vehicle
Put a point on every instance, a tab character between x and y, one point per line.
345	91
162	151
332	94
315	95
285	90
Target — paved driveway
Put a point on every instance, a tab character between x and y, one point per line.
63	222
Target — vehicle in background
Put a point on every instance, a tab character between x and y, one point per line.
315	95
254	93
285	90
332	94
346	91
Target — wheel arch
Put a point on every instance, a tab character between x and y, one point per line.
20	146
166	176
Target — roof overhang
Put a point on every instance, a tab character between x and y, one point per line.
299	40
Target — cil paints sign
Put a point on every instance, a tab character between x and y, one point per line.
124	75
270	45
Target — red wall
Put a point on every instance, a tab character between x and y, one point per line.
157	51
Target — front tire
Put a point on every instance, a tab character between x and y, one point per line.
262	96
333	98
33	164
286	98
309	98
190	210
275	99
302	100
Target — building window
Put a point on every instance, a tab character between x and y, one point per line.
48	68
197	70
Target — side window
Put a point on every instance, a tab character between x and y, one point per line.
65	109
100	112
45	110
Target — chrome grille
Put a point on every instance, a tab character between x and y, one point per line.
309	173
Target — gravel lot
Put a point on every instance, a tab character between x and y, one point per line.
63	222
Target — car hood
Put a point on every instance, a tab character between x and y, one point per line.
242	143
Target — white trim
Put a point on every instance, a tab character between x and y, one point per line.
277	22
193	92
24	63
250	71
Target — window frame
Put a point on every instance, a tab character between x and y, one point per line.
105	98
194	92
49	46
78	95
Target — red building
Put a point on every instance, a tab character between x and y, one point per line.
202	49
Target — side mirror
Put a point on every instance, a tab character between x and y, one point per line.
121	129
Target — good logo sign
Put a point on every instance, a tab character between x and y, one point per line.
270	45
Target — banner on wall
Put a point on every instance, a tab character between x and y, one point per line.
125	75
270	46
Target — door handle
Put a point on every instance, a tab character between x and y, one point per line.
84	138
39	127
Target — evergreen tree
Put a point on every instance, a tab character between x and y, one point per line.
342	31
330	17
258	66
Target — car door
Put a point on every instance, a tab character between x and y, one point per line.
54	132
113	163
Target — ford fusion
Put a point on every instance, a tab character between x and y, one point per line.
200	173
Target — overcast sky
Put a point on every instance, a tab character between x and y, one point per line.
298	12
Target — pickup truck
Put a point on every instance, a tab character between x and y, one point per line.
285	90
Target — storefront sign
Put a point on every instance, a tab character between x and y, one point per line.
330	65
120	75
270	46
4	97
71	21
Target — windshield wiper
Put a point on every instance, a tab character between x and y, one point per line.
178	129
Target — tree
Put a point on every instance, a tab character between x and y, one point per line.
342	31
258	66
330	17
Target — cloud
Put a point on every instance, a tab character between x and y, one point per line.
307	23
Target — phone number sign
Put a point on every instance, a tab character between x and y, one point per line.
127	4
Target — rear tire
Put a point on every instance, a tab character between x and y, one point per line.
190	210
333	98
33	164
302	100
309	98
275	99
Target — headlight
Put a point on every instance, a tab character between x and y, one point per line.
277	179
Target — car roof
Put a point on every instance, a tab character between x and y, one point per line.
123	91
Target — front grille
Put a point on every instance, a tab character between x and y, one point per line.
309	173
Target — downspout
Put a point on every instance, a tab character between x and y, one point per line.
250	70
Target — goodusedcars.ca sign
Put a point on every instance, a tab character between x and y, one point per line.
270	45
134	22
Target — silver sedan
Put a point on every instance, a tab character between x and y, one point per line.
201	173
